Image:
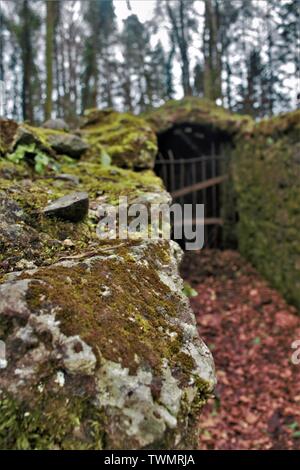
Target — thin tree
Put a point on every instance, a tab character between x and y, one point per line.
178	14
50	16
211	49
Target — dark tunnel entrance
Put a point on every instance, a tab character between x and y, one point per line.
192	162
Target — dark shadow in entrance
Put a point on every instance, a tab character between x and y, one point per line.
192	162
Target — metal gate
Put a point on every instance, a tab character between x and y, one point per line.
197	181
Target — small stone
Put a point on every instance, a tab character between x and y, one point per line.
66	177
3	363
26	136
25	264
68	242
68	144
60	378
73	207
105	291
56	124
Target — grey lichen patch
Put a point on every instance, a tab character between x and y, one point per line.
133	410
78	356
13	299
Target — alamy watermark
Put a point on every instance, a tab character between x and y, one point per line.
3	361
152	221
2	98
295	358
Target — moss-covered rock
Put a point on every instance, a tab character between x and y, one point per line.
106	330
266	168
198	111
122	139
8	129
102	348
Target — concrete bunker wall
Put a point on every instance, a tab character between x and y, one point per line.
266	170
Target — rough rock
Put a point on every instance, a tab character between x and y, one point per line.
134	356
126	140
73	207
17	239
56	124
8	129
66	177
101	344
68	144
193	110
27	136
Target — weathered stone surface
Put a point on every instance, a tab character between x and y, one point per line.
56	124
68	144
73	207
27	136
134	356
17	239
24	136
102	347
66	177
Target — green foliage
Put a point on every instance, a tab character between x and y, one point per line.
105	158
189	291
31	152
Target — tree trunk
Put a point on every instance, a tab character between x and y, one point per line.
184	54
179	35
50	5
212	58
27	59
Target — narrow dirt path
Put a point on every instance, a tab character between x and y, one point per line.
250	329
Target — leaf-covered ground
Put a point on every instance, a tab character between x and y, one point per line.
250	329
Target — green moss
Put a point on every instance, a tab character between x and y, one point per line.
279	125
131	322
198	111
126	139
106	183
51	421
34	135
267	181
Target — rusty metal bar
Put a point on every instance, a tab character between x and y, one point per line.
182	179
189	160
172	171
204	198
205	221
214	173
199	186
187	140
194	179
164	173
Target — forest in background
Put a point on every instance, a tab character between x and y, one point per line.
59	57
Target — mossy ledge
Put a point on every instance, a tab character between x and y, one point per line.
102	349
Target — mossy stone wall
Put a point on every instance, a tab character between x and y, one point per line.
266	168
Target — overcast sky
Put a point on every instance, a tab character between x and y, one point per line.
144	9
